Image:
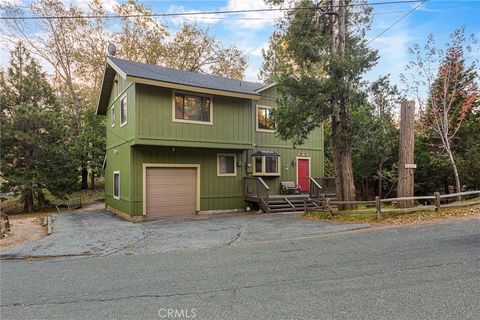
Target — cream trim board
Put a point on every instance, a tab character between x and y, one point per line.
234	174
309	166
263	173
210	123
112	115
268	86
256	119
193	88
125	96
117	69
124	91
170	165
113	184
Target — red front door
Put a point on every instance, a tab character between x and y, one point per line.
303	174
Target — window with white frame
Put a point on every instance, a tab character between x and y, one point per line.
112	114
266	164
226	164
192	108
264	119
123	111
116	185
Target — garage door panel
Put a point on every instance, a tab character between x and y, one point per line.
170	192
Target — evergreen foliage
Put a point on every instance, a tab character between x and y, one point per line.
35	155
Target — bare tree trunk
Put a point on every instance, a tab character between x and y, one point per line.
342	160
458	187
379	186
342	150
84	183
364	188
28	201
92	180
368	191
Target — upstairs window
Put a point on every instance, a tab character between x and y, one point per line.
116	185
264	119
226	164
192	108
123	111
112	115
266	163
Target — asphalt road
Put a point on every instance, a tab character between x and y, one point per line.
429	271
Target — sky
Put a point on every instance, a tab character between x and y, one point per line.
439	17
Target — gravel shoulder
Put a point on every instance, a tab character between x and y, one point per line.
23	231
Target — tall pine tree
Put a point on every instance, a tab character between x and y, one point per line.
318	57
34	154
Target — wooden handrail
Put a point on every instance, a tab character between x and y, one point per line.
315	188
315	182
263	183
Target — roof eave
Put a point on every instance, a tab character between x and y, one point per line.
265	87
110	66
172	85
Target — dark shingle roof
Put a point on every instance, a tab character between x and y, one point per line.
154	72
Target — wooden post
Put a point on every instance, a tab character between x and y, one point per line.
437	201
329	208
378	205
406	155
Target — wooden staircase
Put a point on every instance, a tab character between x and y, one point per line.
289	204
257	191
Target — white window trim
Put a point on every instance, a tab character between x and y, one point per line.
126	106
112	115
113	191
234	174
192	121
256	119
263	173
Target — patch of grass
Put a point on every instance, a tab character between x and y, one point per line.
398	218
473	199
350	218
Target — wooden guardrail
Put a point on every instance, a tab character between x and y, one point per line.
378	203
4	224
71	204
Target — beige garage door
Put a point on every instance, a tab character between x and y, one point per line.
170	192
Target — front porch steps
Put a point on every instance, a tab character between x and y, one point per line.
289	203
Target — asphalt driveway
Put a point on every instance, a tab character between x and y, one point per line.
102	233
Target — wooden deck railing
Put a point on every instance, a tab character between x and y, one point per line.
257	190
255	187
327	184
315	190
320	187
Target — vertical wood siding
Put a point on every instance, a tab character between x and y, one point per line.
119	159
150	136
118	134
215	192
267	139
231	121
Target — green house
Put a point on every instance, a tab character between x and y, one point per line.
181	143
